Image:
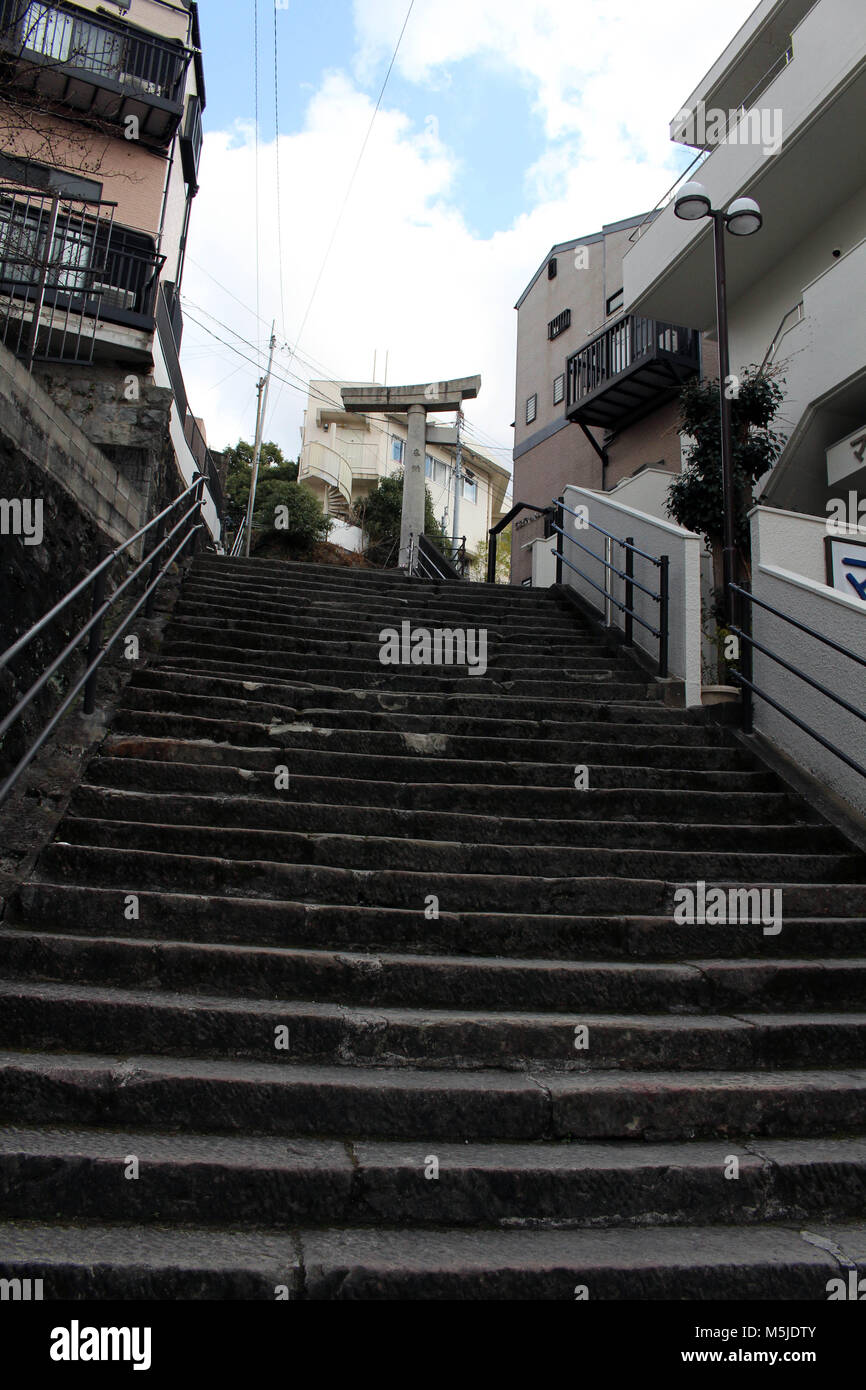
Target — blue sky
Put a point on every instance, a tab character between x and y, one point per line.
506	126
481	110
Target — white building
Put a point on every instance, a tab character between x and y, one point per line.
343	457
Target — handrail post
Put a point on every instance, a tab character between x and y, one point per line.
197	518
154	569
95	640
608	582
746	664
491	556
629	590
560	522
664	605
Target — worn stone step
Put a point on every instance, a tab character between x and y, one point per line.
264	1181
232	1096
419	980
171	699
627	767
214	656
367	852
104	1019
56	907
246	812
603	749
148	765
350	701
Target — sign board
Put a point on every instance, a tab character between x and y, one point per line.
846	457
846	566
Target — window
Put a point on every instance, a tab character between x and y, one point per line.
397	447
551	268
428	466
531	408
559	389
559	324
614	303
470	491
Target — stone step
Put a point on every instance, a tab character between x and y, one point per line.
436	981
162	766
744	864
102	1019
344	696
232	1096
213	656
617	765
127	1262
172	699
172	916
272	1182
252	813
301	734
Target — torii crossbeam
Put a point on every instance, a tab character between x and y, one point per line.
416	402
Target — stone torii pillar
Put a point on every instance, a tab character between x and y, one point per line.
414	402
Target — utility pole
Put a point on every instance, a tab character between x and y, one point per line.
263	386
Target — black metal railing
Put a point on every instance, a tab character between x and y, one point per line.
64	265
494	532
621	346
191	431
184	532
744	677
428	562
660	596
64	37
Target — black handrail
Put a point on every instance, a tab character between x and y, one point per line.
661	563
92	629
749	687
501	525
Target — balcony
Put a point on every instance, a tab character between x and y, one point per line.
64	264
627	370
100	67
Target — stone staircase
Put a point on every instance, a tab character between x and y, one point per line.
242	992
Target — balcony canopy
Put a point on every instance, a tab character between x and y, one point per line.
628	369
101	67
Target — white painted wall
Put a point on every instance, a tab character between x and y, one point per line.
543	561
348	537
833	615
655	537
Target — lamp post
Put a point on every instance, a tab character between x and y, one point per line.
742	218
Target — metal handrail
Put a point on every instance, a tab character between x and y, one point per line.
661	562
750	688
92	629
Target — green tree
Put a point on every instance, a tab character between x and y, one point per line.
379	514
272	466
503	558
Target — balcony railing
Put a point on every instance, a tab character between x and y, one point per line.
628	369
89	61
65	267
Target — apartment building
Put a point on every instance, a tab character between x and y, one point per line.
787	99
344	455
596	387
101	118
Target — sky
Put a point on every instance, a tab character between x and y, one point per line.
506	126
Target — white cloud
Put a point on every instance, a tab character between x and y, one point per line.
405	273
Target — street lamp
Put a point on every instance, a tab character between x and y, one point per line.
742	218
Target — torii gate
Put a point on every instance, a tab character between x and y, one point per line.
415	401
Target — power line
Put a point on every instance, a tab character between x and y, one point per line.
354	175
277	156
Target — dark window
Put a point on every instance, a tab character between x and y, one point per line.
531	408
551	269
559	324
614	303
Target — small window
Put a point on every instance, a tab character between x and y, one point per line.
559	389
559	324
614	303
470	491
428	466
551	269
531	408
397	446
440	472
